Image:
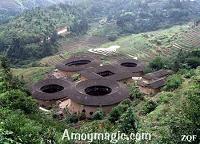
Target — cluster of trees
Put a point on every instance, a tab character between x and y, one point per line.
182	60
33	35
135	16
20	120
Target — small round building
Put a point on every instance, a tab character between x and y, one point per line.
134	66
49	91
87	96
75	64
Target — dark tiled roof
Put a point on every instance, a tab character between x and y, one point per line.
119	93
158	74
157	84
68	65
89	75
131	65
37	93
114	73
154	85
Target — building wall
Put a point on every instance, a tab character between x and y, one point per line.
148	91
50	103
46	104
74	107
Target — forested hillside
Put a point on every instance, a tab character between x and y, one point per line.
135	16
11	8
33	35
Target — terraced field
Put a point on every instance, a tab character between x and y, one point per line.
74	46
189	40
146	46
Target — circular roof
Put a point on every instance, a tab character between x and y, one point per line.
99	92
78	63
51	89
131	65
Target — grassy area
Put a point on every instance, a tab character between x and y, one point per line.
146	46
33	74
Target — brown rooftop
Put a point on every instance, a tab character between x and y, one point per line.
99	92
131	65
158	74
154	85
78	63
106	71
51	89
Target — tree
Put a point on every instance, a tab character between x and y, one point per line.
128	122
193	62
157	63
73	118
98	115
149	107
4	63
134	92
117	112
173	82
16	99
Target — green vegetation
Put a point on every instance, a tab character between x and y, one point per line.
20	120
136	16
144	46
173	82
117	111
157	64
149	106
33	35
33	74
98	115
134	92
128	122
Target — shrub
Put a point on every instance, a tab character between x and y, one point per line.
193	62
75	77
98	115
173	82
165	97
73	118
117	112
189	74
128	122
112	37
149	107
24	130
16	99
126	102
134	92
157	63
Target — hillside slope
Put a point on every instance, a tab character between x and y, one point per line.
146	46
11	8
